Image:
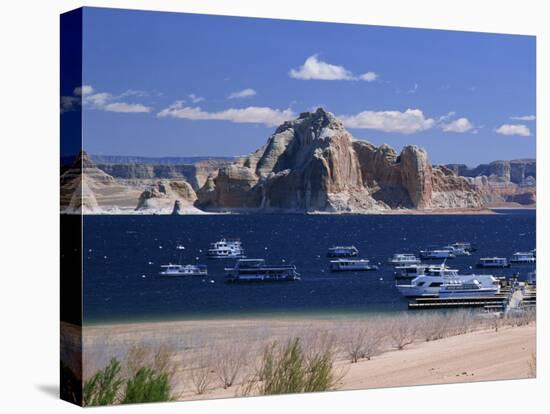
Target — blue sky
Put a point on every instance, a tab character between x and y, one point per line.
170	84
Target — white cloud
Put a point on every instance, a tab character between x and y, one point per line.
314	68
459	125
249	115
407	122
195	99
136	92
245	93
446	117
98	100
514	129
369	76
126	107
523	118
85	95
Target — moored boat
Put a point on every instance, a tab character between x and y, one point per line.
255	270
183	270
467	246
457	250
226	249
351	265
431	254
493	262
467	289
342	251
523	257
402	259
430	282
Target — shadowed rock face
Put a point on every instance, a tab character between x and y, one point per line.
313	164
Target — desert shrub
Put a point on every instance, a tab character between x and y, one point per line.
288	369
374	340
228	363
147	385
201	376
354	347
433	327
461	322
365	343
103	388
403	331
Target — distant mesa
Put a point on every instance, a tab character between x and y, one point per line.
503	183
310	164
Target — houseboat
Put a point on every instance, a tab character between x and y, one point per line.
351	265
523	257
255	270
342	251
493	262
183	270
226	249
403	259
432	254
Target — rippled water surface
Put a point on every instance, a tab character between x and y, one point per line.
122	255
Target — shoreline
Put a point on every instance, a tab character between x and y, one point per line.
395	212
481	352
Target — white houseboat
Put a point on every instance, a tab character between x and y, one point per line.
403	259
523	257
493	262
351	265
431	254
342	251
183	270
255	270
226	249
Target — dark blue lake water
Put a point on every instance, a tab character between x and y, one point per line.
122	255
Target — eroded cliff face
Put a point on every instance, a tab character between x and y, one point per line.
163	196
313	164
503	183
87	189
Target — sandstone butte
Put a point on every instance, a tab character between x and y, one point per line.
313	164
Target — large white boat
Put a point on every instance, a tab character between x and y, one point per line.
226	249
402	259
342	251
493	262
434	277
466	289
523	257
183	270
351	265
255	270
430	254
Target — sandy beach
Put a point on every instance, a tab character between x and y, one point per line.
480	355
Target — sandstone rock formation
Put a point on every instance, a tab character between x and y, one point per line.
503	183
78	183
313	164
163	195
